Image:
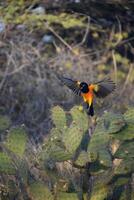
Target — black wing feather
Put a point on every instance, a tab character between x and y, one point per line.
105	87
71	84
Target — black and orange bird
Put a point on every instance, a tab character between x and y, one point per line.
99	89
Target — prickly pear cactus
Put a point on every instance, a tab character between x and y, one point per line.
12	189
125	150
80	118
13	166
6	164
72	139
40	192
58	117
64	140
100	193
82	159
59	154
16	141
98	143
127	133
106	156
109	152
129	115
67	196
54	149
98	147
111	123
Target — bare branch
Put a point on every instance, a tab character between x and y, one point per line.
127	79
59	37
115	65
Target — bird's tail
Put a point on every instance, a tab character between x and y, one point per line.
90	109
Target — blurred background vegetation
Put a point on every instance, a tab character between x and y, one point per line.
82	39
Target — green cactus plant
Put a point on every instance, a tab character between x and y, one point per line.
64	141
67	196
22	168
11	162
125	167
121	181
56	134
129	115
112	129
105	158
73	135
72	139
12	189
80	118
98	143
16	141
6	164
100	193
111	167
125	151
40	192
59	117
127	133
82	159
120	129
96	168
59	154
111	123
54	149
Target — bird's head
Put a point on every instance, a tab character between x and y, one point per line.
84	87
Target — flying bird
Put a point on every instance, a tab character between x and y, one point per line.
99	89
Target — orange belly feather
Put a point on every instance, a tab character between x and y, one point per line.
88	97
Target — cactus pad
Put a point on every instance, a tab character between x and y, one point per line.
40	192
100	193
16	141
72	138
105	158
67	196
125	167
80	118
127	133
125	150
6	165
82	159
111	123
59	154
98	142
129	115
58	117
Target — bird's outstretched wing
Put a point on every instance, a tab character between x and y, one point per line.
71	84
104	87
